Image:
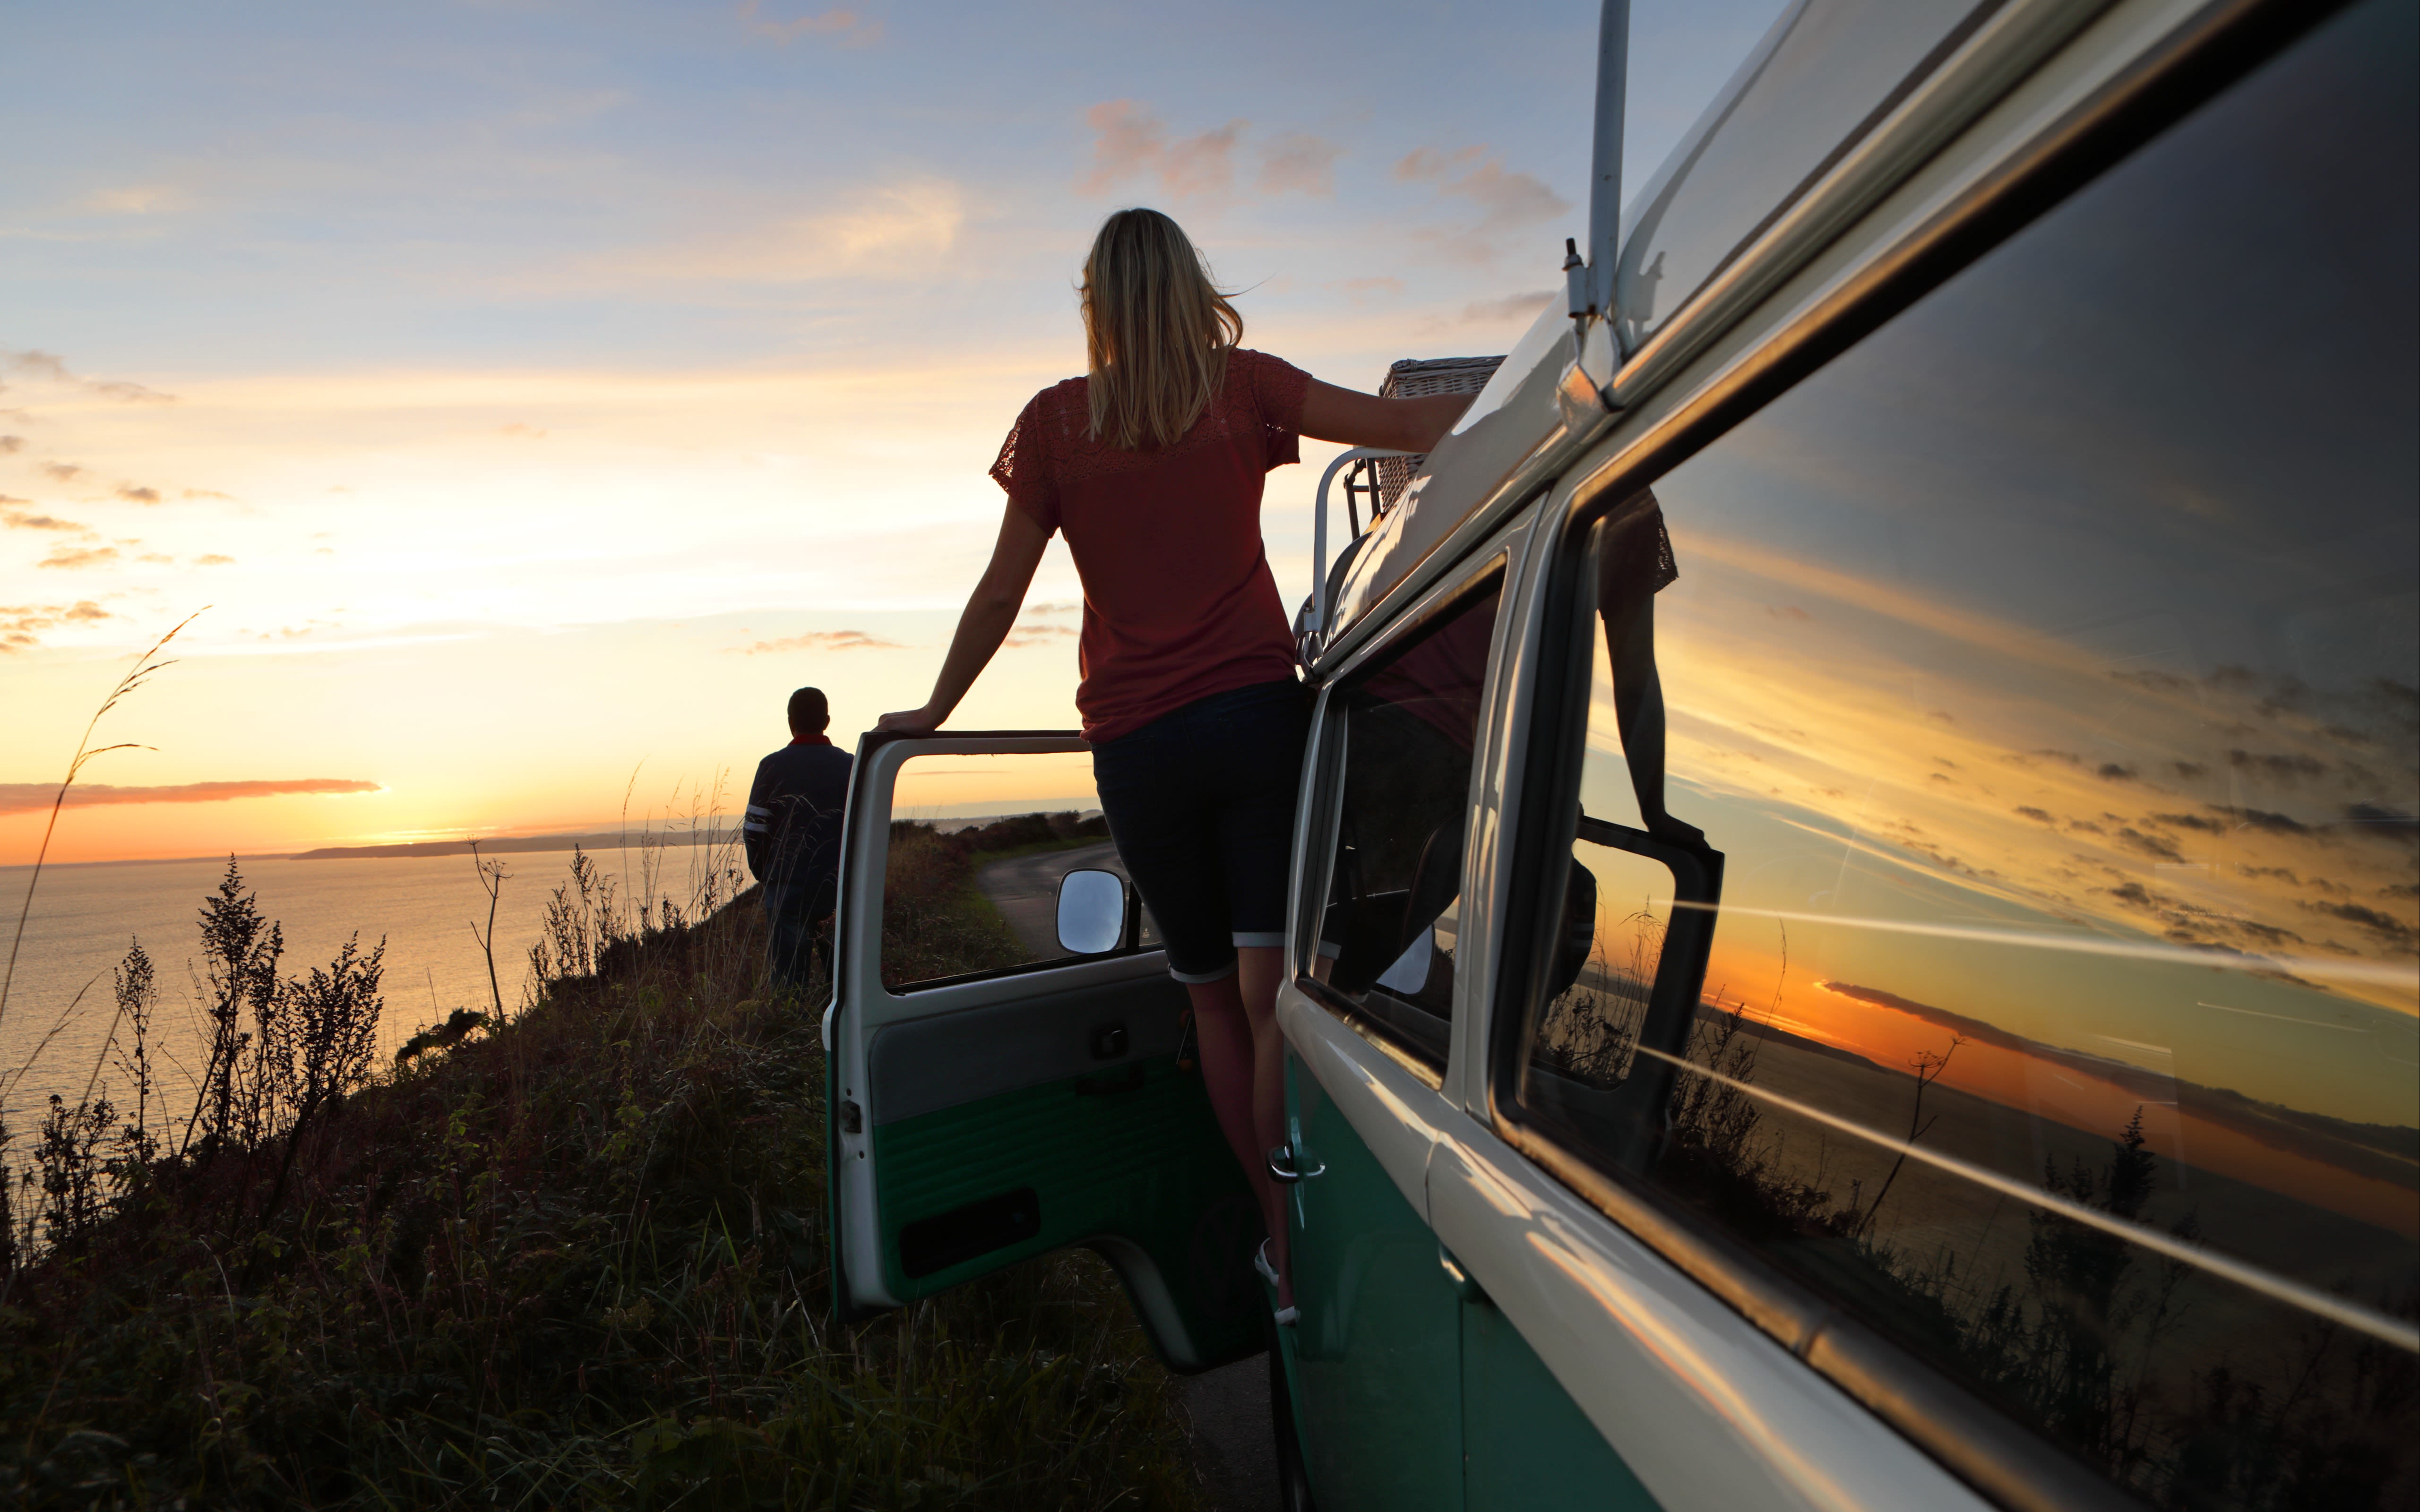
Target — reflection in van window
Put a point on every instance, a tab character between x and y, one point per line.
2047	672
1406	730
978	844
1827	71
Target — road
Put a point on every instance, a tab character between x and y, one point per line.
1227	1410
1025	889
1234	1451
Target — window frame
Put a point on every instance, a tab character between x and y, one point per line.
1325	791
2000	1458
1133	929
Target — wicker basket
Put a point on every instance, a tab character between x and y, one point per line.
1418	377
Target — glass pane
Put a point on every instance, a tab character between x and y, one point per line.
1821	76
2047	670
1388	930
1618	908
978	844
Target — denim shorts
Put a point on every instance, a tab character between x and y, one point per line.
1200	804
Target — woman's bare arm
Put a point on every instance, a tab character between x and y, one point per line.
1333	414
990	610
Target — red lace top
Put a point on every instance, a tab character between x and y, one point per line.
1178	600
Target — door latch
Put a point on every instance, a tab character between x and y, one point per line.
1284	1170
1460	1279
852	1118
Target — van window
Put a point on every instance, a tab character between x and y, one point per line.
978	845
2045	673
1401	736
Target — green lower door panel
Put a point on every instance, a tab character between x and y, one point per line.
1376	1351
1133	1156
1526	1443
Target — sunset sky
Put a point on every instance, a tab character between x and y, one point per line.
535	394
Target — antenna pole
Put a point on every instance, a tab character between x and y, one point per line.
1605	184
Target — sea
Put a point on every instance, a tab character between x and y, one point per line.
56	1031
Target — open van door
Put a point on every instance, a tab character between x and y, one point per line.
994	1094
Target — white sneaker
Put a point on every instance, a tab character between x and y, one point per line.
1286	1316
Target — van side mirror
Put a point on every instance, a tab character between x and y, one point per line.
1092	912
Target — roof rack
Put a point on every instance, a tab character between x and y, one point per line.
1378	475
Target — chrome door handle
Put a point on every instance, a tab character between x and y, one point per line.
1283	1170
1460	1279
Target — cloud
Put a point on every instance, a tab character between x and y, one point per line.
890	232
74	557
2263	819
49	366
1522	307
2392	930
2153	846
524	432
821	640
19	622
11	443
18	519
1507	200
1369	289
63	472
137	494
206	493
1126	140
25	797
1301	162
213	560
847	27
2285	770
1036	626
1129	140
138	199
1200	164
41	364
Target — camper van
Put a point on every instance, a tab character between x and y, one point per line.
1853	893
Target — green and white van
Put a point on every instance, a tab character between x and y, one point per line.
1916	1013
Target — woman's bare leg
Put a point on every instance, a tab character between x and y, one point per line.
1260	970
1223	1032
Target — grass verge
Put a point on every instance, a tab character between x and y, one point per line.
572	1260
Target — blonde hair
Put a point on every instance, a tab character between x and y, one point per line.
1157	331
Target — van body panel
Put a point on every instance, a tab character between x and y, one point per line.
1526	1443
1704	1410
1376	1349
1810	88
1934	148
1463	489
1394	1113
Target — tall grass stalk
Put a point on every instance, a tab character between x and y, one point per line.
145	665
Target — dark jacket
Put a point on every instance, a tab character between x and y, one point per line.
793	824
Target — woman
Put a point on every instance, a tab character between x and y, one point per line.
1152	464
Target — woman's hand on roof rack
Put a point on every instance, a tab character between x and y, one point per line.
921	721
1333	414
